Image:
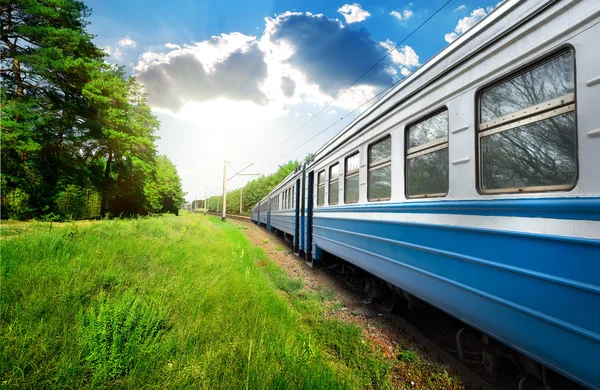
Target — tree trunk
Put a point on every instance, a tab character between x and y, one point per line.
12	48
105	185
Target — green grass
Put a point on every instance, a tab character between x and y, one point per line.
169	302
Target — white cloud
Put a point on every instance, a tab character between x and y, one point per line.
113	52
460	7
353	13
404	55
467	22
207	52
404	15
127	42
273	71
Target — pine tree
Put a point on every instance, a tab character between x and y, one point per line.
46	56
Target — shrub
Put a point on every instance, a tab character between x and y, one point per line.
118	335
408	356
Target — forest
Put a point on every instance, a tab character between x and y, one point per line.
251	193
78	136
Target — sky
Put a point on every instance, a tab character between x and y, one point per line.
252	82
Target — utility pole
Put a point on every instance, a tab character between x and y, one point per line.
225	180
204	200
195	203
223	217
241	190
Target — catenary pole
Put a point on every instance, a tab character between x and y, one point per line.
223	218
241	190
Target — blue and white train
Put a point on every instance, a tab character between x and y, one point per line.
474	185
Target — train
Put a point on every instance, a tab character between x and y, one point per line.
474	186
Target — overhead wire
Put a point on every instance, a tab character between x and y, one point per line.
365	73
338	121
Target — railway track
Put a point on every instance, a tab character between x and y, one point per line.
232	216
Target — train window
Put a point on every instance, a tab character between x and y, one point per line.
321	189
380	170
427	156
334	184
351	178
293	198
527	129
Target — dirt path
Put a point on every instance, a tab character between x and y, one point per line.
377	327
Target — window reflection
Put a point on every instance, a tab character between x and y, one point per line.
380	151
429	130
527	151
352	163
548	81
427	162
428	174
334	186
321	189
380	183
351	182
379	180
543	153
351	189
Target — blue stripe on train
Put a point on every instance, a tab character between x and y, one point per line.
285	223
536	293
560	208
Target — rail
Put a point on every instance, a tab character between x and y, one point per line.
232	216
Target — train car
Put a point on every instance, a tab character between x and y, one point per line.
254	213
263	212
474	185
284	207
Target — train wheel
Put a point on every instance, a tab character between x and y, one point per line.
388	301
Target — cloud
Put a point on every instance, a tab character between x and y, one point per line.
330	57
353	13
127	42
288	86
181	77
300	58
466	23
404	15
460	7
404	55
113	52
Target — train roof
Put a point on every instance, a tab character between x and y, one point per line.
477	38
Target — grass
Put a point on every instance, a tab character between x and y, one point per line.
166	302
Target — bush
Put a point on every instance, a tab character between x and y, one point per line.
119	335
408	356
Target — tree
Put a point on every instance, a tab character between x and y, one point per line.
73	126
164	191
45	60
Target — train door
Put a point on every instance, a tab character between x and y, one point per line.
309	216
302	208
258	214
269	213
297	218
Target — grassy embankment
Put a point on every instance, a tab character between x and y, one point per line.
169	302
